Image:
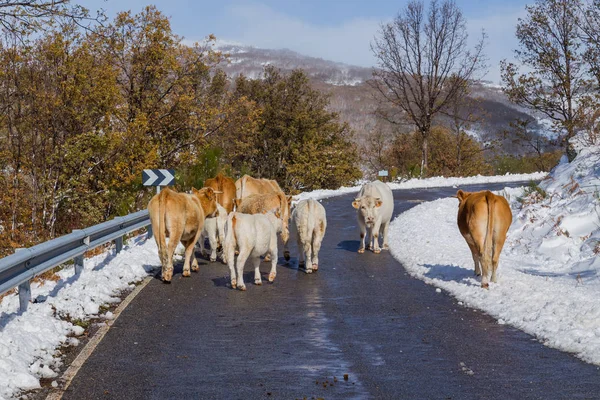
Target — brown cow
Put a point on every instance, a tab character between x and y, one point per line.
221	183
483	220
179	217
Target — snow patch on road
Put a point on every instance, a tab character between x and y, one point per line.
548	281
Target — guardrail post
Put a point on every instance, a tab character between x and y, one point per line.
78	264
119	244
149	230
24	291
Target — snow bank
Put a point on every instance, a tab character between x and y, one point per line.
548	282
29	341
438	181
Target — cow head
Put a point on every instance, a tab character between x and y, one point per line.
368	208
208	200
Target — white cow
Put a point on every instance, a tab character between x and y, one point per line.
214	230
375	206
254	235
310	222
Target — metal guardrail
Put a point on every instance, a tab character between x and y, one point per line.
19	268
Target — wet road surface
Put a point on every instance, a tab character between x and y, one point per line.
360	315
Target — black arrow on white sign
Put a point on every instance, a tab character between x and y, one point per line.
158	177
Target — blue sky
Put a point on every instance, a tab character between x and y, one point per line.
339	30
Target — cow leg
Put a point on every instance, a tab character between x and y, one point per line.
385	228
301	262
316	247
212	239
307	249
273	272
498	244
241	261
203	251
189	251
375	233
231	264
174	238
257	277
363	234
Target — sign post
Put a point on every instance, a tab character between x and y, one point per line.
158	178
383	174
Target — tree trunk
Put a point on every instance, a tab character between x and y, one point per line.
424	154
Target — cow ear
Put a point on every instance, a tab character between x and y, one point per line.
460	195
194	190
378	202
356	203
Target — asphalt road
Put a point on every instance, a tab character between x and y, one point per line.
360	315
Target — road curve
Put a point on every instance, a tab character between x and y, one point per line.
360	315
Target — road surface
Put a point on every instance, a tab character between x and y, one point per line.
360	316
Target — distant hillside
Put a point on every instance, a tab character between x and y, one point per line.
354	100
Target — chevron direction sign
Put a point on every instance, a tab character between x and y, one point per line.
158	177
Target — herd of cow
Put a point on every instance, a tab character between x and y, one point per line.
244	217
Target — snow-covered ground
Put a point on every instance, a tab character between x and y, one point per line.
438	181
548	282
30	342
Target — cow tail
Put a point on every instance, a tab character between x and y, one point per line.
310	222
160	232
488	244
230	239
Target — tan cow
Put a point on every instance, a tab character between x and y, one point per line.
247	185
221	183
483	220
179	217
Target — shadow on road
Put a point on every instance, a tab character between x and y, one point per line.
349	245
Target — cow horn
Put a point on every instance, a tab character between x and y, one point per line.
218	191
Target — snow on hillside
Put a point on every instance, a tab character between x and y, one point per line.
548	282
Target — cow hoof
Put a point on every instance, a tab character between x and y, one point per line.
242	288
361	251
213	259
186	273
306	270
286	255
195	268
167	276
258	283
234	284
377	251
272	277
315	267
485	285
386	247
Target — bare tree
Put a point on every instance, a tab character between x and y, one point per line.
424	63
590	27
19	17
558	84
